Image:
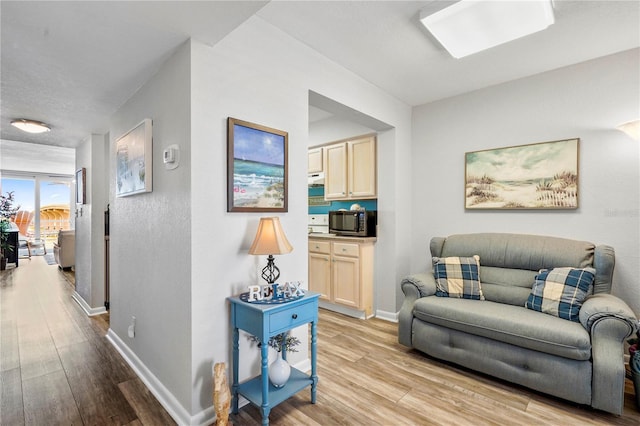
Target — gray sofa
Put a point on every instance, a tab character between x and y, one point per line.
580	361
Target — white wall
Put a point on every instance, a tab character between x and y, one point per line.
150	242
83	228
176	254
260	74
334	129
89	224
586	101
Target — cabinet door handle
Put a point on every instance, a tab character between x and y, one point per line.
294	316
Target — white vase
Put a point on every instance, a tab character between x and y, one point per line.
279	371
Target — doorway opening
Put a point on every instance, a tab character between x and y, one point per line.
45	209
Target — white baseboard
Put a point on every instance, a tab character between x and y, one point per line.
387	316
341	309
162	394
383	315
85	306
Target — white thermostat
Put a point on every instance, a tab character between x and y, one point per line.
171	156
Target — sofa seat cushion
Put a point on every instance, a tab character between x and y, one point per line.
509	324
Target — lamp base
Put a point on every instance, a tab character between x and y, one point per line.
270	273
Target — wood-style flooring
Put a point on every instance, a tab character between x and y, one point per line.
367	378
57	368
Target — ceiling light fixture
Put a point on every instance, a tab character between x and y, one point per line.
470	26
30	126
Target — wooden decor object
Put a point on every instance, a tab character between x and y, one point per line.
221	394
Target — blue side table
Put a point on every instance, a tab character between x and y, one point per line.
265	321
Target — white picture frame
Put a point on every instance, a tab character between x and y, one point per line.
134	160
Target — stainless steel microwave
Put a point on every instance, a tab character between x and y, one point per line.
354	223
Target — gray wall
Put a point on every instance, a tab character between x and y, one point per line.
587	101
89	267
151	234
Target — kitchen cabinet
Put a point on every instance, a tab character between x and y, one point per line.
350	169
320	268
315	160
341	270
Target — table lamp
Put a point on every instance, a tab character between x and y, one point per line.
270	239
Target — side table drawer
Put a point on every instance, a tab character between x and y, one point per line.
293	317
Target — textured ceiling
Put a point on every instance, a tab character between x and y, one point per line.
72	64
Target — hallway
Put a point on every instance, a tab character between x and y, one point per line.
56	367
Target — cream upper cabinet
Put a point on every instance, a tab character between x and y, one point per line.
350	169
361	155
315	160
335	171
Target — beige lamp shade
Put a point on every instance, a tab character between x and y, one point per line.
270	238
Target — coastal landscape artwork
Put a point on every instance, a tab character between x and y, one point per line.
134	160
257	168
536	176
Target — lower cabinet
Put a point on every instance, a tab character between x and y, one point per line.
341	270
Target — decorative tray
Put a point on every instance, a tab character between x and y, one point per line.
245	298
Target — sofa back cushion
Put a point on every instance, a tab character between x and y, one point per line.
66	237
510	262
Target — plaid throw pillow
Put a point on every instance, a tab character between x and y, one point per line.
458	277
561	291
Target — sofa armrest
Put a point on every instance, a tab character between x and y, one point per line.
419	285
609	321
414	287
607	306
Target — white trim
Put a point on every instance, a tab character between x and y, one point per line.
205	417
162	394
85	306
341	309
304	365
387	316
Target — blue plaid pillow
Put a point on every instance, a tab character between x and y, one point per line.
458	277
561	291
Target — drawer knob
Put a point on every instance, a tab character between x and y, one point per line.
294	316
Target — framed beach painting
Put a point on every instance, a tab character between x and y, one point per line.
536	176
134	166
256	167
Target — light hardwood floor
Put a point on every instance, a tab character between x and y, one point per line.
367	378
57	368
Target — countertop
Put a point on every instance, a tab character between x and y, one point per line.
319	236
